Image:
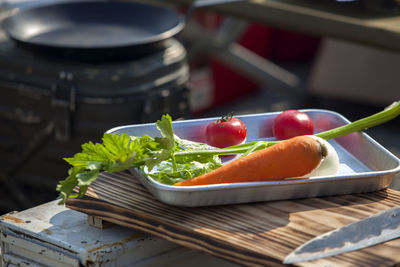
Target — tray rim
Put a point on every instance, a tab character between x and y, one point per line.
177	122
217	187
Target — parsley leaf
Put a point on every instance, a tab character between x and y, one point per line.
119	153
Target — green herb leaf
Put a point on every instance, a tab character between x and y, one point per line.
85	178
119	153
116	153
188	166
165	127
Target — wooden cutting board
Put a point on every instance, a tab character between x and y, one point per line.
255	234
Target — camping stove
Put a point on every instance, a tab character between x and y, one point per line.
49	106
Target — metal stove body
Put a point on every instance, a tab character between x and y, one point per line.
49	106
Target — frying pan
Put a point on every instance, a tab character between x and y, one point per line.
98	28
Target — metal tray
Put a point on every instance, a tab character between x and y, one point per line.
365	166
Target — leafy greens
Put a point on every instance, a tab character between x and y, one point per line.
156	156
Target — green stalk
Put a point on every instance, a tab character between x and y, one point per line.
218	151
386	115
174	167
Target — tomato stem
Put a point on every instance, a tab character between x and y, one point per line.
226	117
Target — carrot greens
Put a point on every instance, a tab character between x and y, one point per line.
122	152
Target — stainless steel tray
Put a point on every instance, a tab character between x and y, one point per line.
365	166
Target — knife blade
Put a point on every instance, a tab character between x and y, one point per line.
375	229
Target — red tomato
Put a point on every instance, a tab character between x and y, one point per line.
227	131
291	123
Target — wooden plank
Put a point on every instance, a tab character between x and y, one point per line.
255	234
98	222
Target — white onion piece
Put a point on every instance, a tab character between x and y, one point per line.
329	165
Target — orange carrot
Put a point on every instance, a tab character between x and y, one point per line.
294	157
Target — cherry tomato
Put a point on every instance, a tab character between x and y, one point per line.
227	131
291	123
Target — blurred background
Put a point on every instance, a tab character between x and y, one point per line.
245	57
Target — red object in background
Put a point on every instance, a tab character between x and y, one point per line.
230	84
271	43
289	46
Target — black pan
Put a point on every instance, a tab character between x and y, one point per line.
95	28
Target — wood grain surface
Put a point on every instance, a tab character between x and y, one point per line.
255	234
